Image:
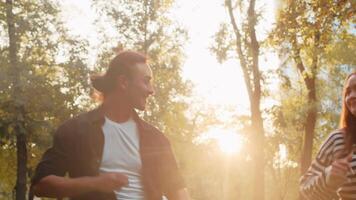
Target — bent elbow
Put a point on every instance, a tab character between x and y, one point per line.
37	190
45	187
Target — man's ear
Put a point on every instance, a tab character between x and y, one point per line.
122	82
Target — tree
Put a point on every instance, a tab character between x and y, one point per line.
42	78
18	107
247	48
303	30
145	26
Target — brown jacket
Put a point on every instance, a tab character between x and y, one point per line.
77	150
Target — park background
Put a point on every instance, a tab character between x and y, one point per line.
246	91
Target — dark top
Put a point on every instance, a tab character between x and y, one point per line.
77	150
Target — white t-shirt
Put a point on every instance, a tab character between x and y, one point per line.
122	154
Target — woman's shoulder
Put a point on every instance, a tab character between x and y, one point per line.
338	134
333	144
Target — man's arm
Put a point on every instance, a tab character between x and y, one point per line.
56	186
181	194
174	186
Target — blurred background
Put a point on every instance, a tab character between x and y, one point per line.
246	91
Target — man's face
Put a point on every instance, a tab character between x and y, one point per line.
140	86
350	98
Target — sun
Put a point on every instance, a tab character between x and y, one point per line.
229	142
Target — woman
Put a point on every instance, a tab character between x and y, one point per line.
332	174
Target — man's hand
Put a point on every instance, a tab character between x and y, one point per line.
56	186
337	171
181	194
107	182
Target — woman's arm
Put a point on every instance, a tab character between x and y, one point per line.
325	175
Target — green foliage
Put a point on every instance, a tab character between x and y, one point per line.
223	43
310	26
298	25
51	78
54	86
309	33
341	51
7	171
145	26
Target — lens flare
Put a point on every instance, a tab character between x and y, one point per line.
228	141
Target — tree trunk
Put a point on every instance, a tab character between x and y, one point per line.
258	179
309	131
256	115
15	73
252	79
310	83
21	166
309	124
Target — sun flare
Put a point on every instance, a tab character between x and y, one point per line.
228	141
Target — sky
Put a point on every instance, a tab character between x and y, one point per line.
215	84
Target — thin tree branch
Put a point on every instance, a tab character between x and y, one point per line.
242	57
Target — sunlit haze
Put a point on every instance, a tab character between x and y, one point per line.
228	141
216	84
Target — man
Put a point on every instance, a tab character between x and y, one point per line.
110	153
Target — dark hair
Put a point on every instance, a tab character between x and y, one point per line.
347	120
121	64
